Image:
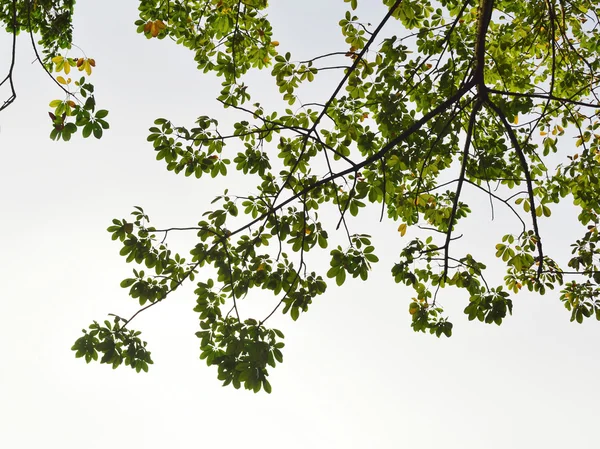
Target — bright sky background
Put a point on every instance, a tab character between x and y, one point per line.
354	374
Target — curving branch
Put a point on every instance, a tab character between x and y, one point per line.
13	56
461	179
529	182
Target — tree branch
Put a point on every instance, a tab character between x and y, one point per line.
525	167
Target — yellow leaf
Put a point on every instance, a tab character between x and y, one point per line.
274	43
57	59
402	229
86	64
413	308
261	267
55	103
543	133
61	80
516	120
67	68
156	27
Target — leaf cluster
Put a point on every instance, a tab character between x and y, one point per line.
435	100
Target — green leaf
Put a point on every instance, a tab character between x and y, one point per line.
340	277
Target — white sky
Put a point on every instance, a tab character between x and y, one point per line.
354	373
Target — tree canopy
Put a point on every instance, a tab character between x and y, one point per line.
435	99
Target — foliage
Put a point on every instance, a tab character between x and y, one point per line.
52	21
437	98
